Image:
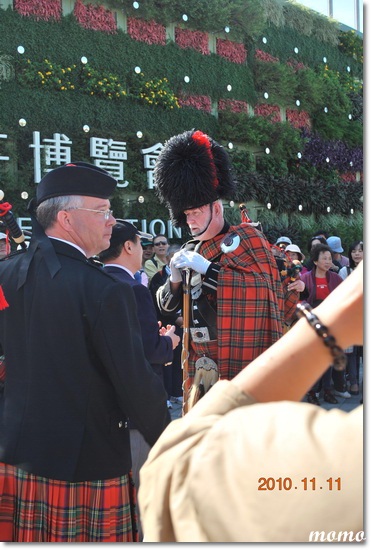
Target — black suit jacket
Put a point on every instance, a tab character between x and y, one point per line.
157	349
75	370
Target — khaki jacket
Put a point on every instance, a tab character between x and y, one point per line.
206	478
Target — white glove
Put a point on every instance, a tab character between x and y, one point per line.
175	275
194	260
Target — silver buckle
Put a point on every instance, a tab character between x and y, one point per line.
200	334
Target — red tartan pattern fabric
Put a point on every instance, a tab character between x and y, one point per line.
291	301
250	300
37	509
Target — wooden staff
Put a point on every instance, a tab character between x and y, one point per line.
185	342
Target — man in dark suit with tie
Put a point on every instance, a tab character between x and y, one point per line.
122	260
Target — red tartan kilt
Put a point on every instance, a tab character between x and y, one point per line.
37	509
201	349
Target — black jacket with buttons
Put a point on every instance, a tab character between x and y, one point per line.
75	370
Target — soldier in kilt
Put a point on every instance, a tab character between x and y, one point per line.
73	375
235	301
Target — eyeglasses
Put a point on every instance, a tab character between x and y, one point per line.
106	213
160	243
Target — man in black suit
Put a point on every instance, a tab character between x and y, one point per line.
75	372
122	260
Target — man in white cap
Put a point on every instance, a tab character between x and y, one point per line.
294	252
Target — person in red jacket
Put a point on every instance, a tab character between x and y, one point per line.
319	282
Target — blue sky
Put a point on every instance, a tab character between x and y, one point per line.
343	10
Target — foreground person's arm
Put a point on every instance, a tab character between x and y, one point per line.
233	470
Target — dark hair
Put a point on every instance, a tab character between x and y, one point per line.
160	235
326	234
352	247
321	239
317	249
114	251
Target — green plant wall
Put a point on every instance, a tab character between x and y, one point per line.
278	178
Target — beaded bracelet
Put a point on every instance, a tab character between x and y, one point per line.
340	359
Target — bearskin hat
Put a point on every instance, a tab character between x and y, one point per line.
192	170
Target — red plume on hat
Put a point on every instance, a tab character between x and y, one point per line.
192	170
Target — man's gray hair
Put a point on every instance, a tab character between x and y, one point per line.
46	212
173	248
